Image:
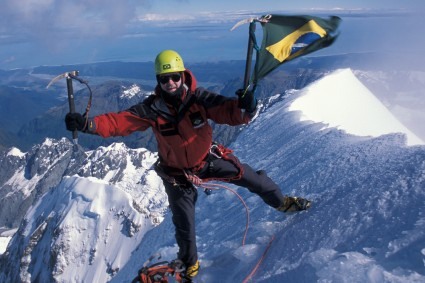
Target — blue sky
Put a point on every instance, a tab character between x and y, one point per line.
49	32
258	5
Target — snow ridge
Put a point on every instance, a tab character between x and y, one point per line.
355	109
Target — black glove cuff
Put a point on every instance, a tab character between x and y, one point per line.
246	100
253	107
91	126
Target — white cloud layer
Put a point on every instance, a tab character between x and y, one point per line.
99	30
45	18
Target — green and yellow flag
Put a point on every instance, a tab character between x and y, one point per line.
289	37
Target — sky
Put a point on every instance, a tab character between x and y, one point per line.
49	32
366	223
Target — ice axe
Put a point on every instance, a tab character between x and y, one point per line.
252	44
69	76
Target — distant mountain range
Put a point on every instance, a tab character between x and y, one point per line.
32	113
47	120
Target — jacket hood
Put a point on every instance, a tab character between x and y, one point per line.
190	80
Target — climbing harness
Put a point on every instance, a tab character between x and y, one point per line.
217	151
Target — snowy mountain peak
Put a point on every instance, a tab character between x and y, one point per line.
340	100
15	152
25	177
130	92
95	219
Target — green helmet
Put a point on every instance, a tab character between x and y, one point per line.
168	61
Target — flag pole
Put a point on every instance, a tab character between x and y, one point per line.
248	63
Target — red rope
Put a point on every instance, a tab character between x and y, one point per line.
254	270
214	187
249	277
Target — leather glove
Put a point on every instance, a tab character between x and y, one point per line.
75	121
247	101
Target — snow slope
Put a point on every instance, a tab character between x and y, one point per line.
342	101
367	223
93	214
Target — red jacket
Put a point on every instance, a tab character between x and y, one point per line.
184	137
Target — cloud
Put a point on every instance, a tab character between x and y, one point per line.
60	31
47	20
9	60
185	19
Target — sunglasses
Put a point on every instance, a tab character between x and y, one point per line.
166	78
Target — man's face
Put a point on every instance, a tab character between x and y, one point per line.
170	82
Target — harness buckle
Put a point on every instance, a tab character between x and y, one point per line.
216	151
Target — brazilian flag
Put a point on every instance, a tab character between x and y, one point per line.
289	37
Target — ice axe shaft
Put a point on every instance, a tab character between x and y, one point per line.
247	75
71	105
252	44
68	76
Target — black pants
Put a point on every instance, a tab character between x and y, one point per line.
182	200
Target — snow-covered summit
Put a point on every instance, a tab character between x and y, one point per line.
92	220
340	100
15	152
130	91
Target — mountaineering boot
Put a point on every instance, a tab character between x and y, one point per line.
292	204
191	272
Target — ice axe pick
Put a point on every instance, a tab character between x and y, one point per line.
68	76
